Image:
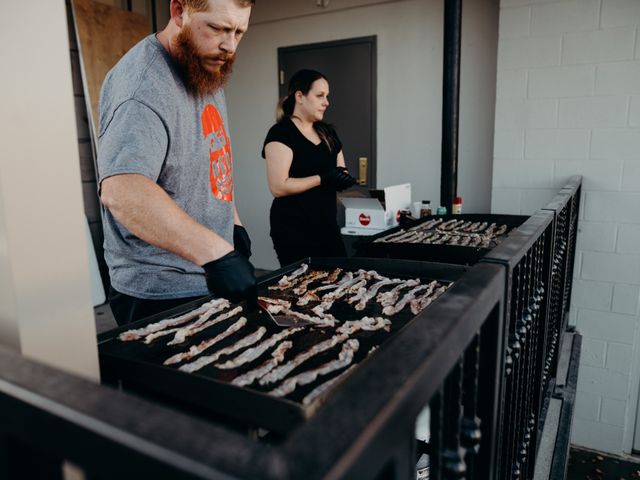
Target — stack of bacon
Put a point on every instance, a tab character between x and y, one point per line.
452	232
314	293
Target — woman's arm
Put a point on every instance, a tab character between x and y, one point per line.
279	158
340	160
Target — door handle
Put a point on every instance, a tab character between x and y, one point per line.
363	163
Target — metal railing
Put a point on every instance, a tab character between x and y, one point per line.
365	430
526	257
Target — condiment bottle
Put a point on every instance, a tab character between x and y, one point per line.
425	208
456	208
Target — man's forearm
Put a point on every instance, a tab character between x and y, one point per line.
146	210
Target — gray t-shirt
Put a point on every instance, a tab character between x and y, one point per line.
151	125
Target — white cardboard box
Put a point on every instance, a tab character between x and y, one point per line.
368	215
396	198
363	213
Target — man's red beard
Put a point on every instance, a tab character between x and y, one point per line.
199	80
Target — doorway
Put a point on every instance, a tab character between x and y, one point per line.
350	66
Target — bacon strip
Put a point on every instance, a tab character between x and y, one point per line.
257	351
283	370
501	231
373	290
312	277
345	279
138	333
390	238
323	387
410	295
275	301
345	357
350	286
368	324
348	328
391	297
288	281
277	356
240	344
333	276
204	345
202	324
322	320
203	318
420	303
309	296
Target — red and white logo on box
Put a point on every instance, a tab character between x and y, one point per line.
364	219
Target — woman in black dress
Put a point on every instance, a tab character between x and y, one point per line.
305	168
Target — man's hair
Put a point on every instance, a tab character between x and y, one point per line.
203	5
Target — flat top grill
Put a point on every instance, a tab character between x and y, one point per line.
140	364
458	239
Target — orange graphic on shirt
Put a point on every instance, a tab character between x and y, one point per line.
220	171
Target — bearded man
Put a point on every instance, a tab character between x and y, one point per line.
172	232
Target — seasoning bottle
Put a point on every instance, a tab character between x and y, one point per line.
425	208
456	207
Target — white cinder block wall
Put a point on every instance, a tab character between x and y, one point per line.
568	102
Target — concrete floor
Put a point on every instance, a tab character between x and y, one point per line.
590	465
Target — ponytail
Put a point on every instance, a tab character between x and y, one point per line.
285	107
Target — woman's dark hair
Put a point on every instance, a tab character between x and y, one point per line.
302	81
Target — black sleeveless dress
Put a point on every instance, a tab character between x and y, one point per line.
304	225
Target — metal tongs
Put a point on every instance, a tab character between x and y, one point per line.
280	319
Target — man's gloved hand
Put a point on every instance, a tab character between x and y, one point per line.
232	277
241	240
337	178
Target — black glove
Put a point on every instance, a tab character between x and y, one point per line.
345	180
337	178
231	277
241	240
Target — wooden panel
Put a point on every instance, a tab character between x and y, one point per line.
105	34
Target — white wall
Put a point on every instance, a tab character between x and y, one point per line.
477	103
46	309
568	102
409	93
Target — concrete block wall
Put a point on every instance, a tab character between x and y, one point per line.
568	102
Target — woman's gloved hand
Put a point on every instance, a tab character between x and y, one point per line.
345	180
337	178
232	277
241	240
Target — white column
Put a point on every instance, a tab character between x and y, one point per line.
45	300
